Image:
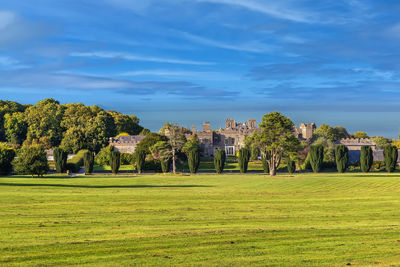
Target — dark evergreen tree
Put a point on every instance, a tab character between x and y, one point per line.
140	159
291	165
115	161
316	157
244	157
219	160
194	160
342	158
390	154
254	153
60	159
366	158
88	162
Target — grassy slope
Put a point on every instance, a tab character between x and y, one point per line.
324	219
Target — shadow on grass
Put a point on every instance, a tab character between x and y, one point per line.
104	186
394	175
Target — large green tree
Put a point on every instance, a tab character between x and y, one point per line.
342	158
390	155
360	134
15	127
7	155
275	138
126	123
31	160
176	141
366	158
44	123
8	107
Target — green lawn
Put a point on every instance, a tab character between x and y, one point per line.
220	220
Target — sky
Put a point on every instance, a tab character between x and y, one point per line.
189	61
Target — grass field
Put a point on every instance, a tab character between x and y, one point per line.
221	220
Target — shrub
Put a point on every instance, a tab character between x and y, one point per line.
60	159
342	158
126	159
291	166
165	163
7	155
75	164
32	160
244	156
390	155
103	157
152	165
316	157
194	160
115	158
140	158
366	158
88	161
254	154
219	160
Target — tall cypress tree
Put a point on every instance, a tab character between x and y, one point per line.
244	156
194	160
88	161
140	160
390	153
219	160
366	158
60	159
342	158
316	157
115	158
264	162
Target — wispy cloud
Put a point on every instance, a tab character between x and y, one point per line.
253	46
204	75
131	57
77	82
275	9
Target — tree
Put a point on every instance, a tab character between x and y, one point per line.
360	135
15	127
126	123
244	157
60	159
291	165
326	131
342	158
264	161
340	132
115	161
192	151
316	157
381	141
219	160
88	161
74	140
149	141
254	153
390	154
140	159
165	165
7	155
194	160
99	130
329	148
176	141
103	157
366	158
8	107
32	160
44	123
275	138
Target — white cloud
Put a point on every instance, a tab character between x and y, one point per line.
131	57
6	18
272	8
254	46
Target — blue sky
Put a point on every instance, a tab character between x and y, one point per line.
186	61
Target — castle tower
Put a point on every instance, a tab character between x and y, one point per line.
194	129
206	127
252	123
230	123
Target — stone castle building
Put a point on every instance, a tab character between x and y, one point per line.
231	138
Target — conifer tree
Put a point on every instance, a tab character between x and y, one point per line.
390	154
291	165
219	160
88	162
60	159
115	161
140	160
342	158
244	156
193	160
316	157
366	158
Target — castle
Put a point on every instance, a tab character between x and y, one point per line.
231	138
